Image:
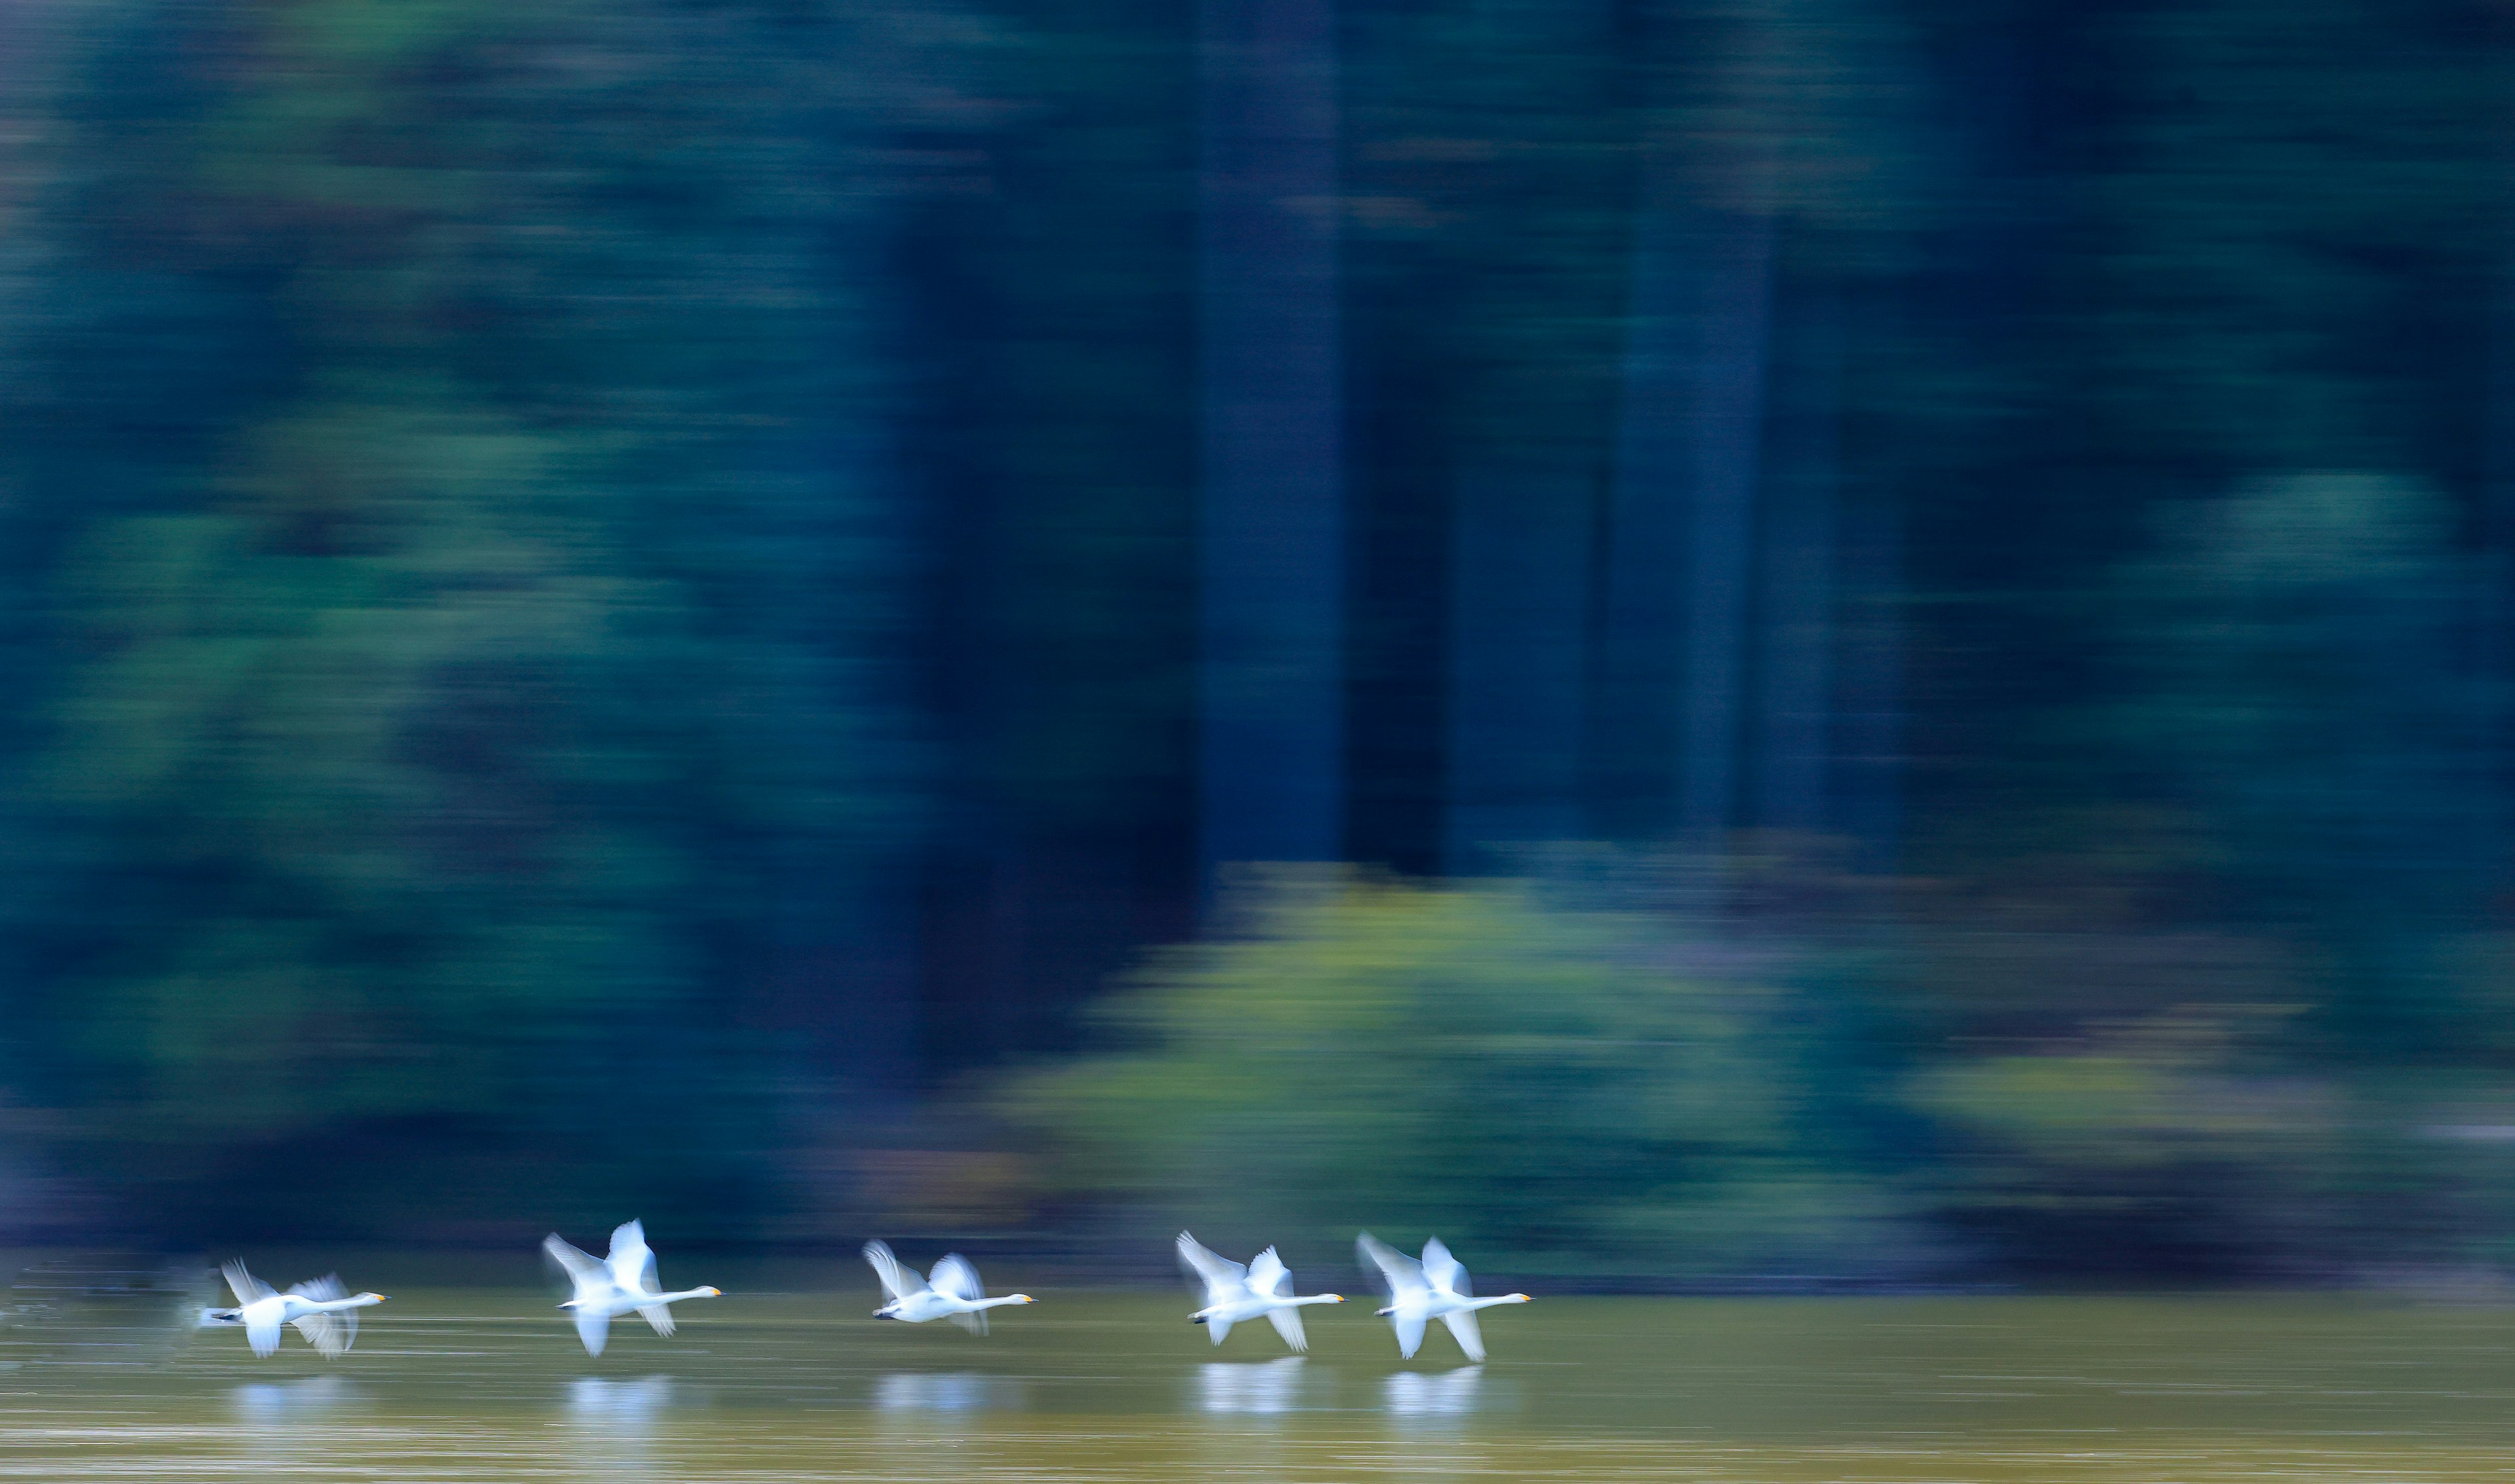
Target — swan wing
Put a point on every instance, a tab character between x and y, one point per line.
896	1281
245	1286
1287	1323
1399	1273
1410	1333
1268	1275
1223	1278
632	1260
955	1278
1219	1329
972	1320
1462	1328
261	1328
1443	1271
323	1289
591	1279
658	1317
594	1326
330	1333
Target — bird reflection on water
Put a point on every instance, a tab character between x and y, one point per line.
1414	1394
950	1391
614	1423
292	1425
1244	1388
287	1403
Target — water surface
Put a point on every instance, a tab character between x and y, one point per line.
489	1384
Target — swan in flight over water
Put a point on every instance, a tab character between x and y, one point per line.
954	1293
625	1281
323	1311
1435	1288
1233	1293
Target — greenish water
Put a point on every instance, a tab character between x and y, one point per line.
489	1384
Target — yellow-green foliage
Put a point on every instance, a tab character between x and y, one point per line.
1464	1060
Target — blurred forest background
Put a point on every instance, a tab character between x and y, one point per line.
1734	641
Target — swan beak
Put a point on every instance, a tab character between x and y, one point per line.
716	1292
1336	1298
1524	1298
1027	1298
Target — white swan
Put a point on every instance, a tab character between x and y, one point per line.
1233	1293
1435	1288
323	1311
954	1293
625	1281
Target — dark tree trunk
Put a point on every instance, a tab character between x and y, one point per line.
1272	537
1521	553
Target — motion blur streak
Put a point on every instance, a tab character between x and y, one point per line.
1827	643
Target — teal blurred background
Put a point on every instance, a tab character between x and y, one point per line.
1798	643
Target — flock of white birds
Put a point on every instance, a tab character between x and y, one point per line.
1420	1290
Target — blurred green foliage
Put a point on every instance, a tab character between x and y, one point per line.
1546	1079
597	598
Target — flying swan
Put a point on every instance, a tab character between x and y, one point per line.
1233	1293
625	1281
1435	1288
324	1312
954	1293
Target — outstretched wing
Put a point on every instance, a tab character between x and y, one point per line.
1287	1323
1410	1333
1443	1271
632	1260
896	1281
1267	1274
594	1326
1401	1275
954	1277
245	1286
1463	1327
332	1333
659	1318
262	1329
1218	1329
1223	1278
591	1279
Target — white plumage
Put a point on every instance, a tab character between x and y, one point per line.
1233	1293
1435	1288
323	1311
623	1282
954	1291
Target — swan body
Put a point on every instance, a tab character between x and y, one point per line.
1234	1294
323	1311
954	1293
623	1282
1435	1288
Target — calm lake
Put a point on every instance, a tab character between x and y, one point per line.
489	1384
